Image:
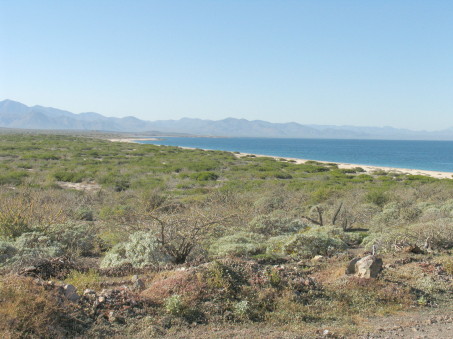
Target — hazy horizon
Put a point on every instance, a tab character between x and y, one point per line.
314	63
282	122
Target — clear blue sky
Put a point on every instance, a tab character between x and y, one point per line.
374	63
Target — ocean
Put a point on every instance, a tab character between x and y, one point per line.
422	155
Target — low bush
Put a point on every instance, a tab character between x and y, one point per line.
28	248
68	176
239	244
27	310
270	225
204	176
83	280
7	251
436	235
307	244
74	238
377	197
12	177
12	226
174	305
368	296
142	249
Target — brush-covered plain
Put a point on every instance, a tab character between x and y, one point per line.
219	241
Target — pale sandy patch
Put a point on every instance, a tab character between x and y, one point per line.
80	186
132	140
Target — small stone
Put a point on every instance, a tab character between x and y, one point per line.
70	292
88	291
138	285
101	299
317	258
111	317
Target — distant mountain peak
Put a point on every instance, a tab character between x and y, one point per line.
14	114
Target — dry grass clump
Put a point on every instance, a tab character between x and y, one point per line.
188	284
27	310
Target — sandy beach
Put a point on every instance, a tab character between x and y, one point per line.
133	140
368	168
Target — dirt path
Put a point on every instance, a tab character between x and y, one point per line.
427	323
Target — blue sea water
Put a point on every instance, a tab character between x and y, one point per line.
423	155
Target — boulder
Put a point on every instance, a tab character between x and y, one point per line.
367	267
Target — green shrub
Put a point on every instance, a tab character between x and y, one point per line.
83	280
377	197
204	176
68	176
74	238
307	244
12	225
7	251
242	309
224	279
270	225
28	248
84	214
174	305
142	249
239	244
268	204
389	216
12	177
437	235
274	245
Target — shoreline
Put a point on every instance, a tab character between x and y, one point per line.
369	169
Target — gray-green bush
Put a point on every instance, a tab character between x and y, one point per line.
142	249
316	241
239	244
270	225
28	248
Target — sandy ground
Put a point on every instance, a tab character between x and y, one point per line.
367	168
132	139
82	186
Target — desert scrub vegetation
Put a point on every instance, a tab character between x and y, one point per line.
28	310
215	238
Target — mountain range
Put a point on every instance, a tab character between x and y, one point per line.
14	114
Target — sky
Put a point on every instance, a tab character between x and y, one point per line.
331	62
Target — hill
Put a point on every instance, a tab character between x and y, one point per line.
17	115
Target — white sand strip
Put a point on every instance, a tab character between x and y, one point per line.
368	168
